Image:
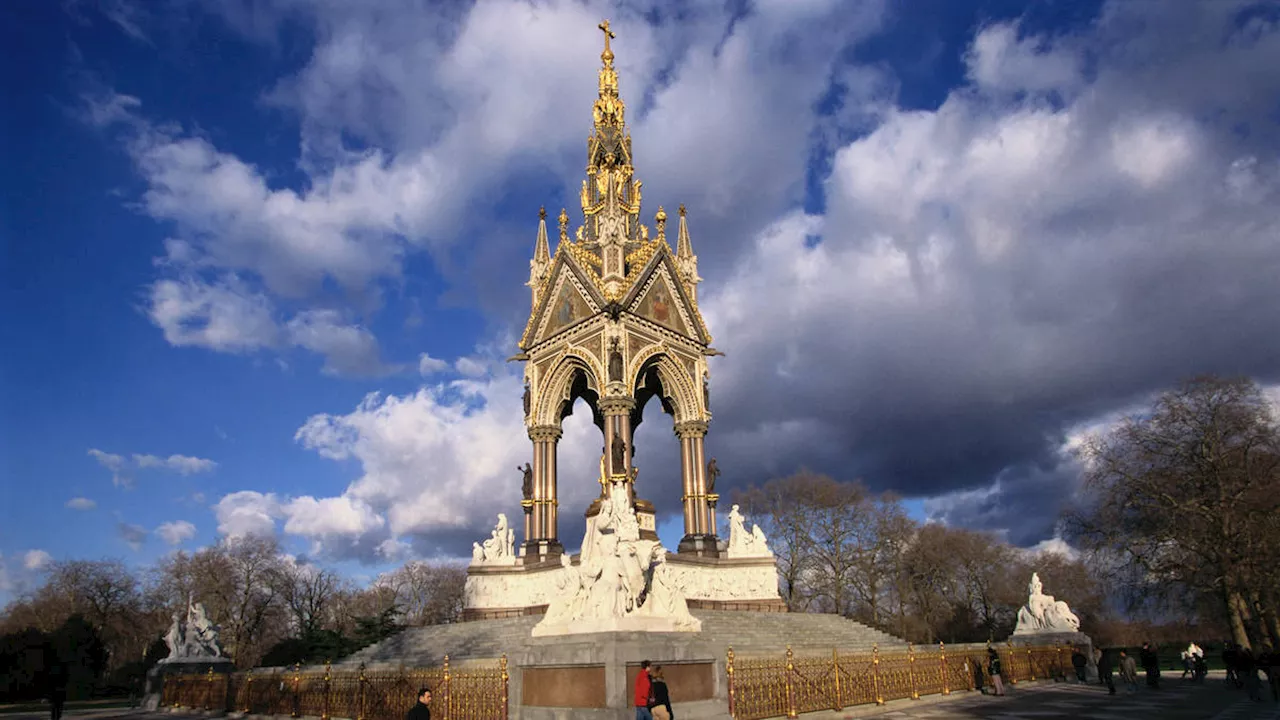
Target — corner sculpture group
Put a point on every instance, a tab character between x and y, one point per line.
194	636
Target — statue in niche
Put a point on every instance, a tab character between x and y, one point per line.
527	399
615	364
526	482
743	543
706	392
713	472
619	454
1044	614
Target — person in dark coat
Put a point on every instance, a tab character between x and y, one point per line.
661	708
1151	664
978	681
1106	666
1079	662
420	709
1247	669
57	689
993	669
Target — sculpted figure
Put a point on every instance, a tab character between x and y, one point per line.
713	472
1044	614
173	638
619	454
477	553
526	483
501	540
527	399
743	543
615	366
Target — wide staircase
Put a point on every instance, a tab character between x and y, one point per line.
748	633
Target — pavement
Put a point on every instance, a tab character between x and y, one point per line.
1175	700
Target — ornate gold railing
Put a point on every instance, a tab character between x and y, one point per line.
771	687
473	692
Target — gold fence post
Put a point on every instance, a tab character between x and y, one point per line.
875	673
448	694
208	691
791	695
360	680
1013	664
1031	665
297	699
911	670
728	669
835	674
942	651
324	703
248	690
502	664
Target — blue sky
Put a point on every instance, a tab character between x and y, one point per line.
940	240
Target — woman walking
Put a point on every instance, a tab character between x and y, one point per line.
661	707
993	669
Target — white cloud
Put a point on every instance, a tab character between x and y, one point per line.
428	365
36	559
114	463
347	349
182	464
999	60
133	535
470	367
223	315
247	512
81	503
175	532
325	517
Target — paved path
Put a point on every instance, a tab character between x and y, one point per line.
1174	700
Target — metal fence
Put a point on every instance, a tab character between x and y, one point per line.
473	692
770	687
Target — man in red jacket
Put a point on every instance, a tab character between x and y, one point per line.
643	685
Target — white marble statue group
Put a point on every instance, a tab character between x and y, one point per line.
743	543
619	577
1043	614
499	548
194	636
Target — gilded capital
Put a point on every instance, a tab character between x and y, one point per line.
545	432
691	429
616	405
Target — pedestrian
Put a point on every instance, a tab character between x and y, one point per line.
1078	662
420	709
1105	665
978	682
1230	656
57	689
1151	664
993	669
1186	664
644	692
1247	666
1129	671
1269	660
661	707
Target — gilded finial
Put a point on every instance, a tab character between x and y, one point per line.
564	225
661	221
607	55
542	213
681	209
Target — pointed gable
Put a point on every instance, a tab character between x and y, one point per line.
571	297
657	296
659	303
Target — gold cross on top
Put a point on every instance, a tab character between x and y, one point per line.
604	27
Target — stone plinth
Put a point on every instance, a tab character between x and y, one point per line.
1077	639
591	676
156	676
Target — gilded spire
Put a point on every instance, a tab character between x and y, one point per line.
540	265
686	261
609	108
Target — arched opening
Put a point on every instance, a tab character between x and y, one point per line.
580	388
656	452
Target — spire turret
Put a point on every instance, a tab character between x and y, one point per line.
686	261
541	262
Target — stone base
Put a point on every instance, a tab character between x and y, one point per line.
1076	639
593	676
534	552
629	623
179	666
699	546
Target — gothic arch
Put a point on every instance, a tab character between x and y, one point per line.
679	396
575	374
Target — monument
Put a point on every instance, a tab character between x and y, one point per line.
614	321
1046	621
193	648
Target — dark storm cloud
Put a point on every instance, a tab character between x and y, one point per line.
999	271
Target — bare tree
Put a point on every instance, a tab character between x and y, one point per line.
427	593
1184	498
309	592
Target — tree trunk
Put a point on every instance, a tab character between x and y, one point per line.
1236	617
